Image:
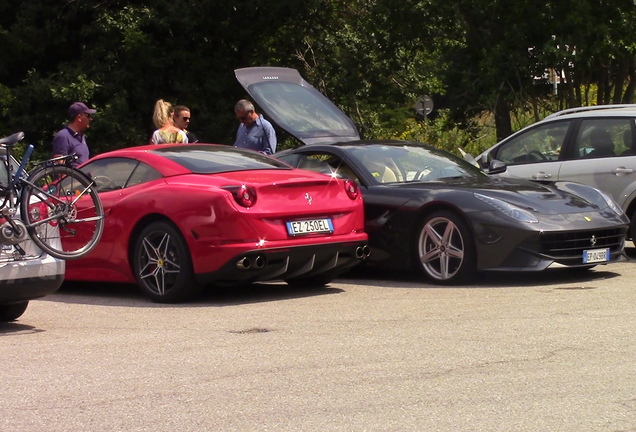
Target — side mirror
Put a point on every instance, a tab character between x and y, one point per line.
496	167
482	161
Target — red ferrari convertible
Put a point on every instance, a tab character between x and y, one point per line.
179	216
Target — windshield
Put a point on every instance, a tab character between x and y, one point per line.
302	110
208	159
409	163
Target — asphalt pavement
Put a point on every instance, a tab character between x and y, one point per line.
375	351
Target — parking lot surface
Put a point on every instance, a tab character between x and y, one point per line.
374	351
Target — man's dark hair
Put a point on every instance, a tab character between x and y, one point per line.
179	108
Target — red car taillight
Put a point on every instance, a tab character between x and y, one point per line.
352	189
38	212
244	195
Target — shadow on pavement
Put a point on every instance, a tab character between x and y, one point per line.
413	279
13	327
117	294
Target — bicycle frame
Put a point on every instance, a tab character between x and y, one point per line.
22	167
16	232
19	178
41	202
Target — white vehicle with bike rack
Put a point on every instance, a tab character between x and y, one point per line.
38	210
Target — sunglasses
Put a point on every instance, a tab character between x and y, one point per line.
244	116
88	115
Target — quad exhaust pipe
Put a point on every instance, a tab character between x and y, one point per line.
248	262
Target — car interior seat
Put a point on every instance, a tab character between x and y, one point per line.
602	143
380	171
312	164
344	171
388	176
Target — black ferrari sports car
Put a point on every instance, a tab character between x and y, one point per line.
428	209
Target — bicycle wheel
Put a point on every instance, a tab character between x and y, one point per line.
62	211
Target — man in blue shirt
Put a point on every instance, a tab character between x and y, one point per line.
71	139
254	132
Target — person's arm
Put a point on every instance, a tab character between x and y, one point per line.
239	135
60	146
154	139
269	146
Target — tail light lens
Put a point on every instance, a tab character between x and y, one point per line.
244	195
40	211
352	189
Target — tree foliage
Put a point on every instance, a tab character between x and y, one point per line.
373	58
509	46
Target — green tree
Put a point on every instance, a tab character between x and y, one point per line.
373	58
594	47
508	47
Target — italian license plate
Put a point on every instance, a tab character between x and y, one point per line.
311	226
596	255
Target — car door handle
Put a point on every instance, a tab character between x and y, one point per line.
541	176
622	170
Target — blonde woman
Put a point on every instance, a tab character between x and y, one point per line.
166	131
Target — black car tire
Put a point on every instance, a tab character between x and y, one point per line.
13	311
445	249
632	226
162	264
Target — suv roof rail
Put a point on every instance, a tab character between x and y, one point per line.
590	108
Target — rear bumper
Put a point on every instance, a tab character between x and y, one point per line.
288	263
30	279
29	289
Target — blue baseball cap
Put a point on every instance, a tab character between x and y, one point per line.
79	108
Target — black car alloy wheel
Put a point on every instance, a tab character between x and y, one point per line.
162	264
445	248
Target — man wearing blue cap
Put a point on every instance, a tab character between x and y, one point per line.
71	139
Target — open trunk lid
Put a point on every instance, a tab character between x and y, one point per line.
295	106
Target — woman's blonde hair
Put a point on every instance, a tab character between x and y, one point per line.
162	115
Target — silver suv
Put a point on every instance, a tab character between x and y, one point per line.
590	145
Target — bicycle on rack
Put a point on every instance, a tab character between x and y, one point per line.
59	208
